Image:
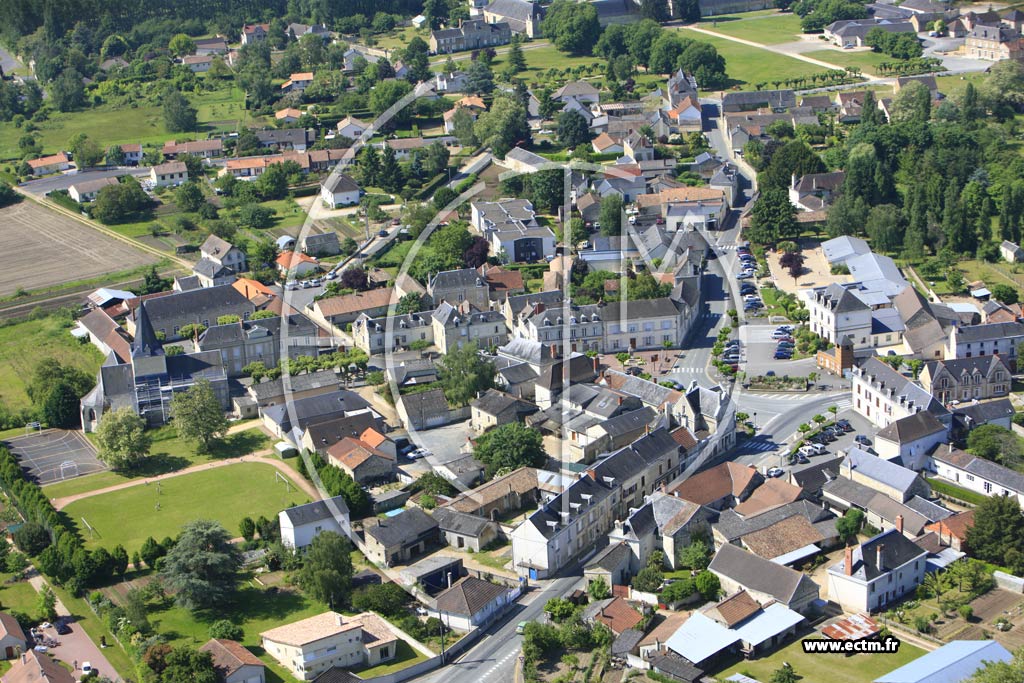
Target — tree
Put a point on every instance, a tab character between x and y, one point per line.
326	572
998	529
247	527
598	590
85	150
546	189
115	203
7	195
463	373
648	580
179	114
696	555
793	262
189	197
60	407
273	182
198	415
121	439
479	78
32	538
610	215
573	129
707	585
150	552
559	609
463	127
677	591
849	524
515	58
46	604
182	664
913	103
656	10
572	27
784	674
181	45
200	569
1005	293
510	446
67	91
119	560
255	216
225	629
773	218
388	599
386	94
995	443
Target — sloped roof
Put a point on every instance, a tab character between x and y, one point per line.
229	656
771	494
782	537
469	596
723	480
758	574
911	428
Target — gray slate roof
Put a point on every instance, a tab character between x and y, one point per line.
402	528
316	511
755	573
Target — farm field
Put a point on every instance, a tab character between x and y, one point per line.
23	345
225	494
767	28
84	253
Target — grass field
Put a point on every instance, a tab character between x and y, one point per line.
859	668
168	454
108	125
747	65
867	61
766	28
225	494
399	38
23	345
17	597
952	85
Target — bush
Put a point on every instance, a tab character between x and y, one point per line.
223	628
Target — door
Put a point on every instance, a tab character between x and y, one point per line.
533	574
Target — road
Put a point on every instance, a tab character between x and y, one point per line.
8	62
493	659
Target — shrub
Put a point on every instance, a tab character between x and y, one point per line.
223	628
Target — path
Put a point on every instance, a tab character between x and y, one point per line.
260	457
75	647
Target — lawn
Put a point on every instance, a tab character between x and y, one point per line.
225	494
768	29
24	344
1000	273
168	454
957	492
399	38
109	124
405	656
747	66
859	668
18	597
867	61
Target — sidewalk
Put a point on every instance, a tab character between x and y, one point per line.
260	457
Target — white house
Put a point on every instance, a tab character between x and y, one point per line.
197	63
879	571
351	127
309	647
340	190
1011	252
471	603
169	174
977	474
86	191
294	263
911	439
883	395
511	226
301	524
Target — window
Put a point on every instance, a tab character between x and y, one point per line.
988	487
970	477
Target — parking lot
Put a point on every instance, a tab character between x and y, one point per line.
758	350
54	455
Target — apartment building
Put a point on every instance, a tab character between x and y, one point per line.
877	572
966	379
883	395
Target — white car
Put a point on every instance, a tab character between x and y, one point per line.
775	472
87	668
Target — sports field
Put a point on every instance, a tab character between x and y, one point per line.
225	494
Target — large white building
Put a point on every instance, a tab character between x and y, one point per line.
879	571
883	395
511	226
301	524
977	474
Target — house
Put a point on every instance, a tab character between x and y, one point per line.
12	637
171	173
580	91
105	334
296	264
512	228
614	613
366	464
522	16
452	82
687	116
456	287
87	190
977	474
877	572
993	43
1011	252
372	334
898	482
789	540
971	415
302	523
720	487
520	489
298	82
352	128
501	283
259	341
496	408
664	522
910	439
424	410
396	540
35	667
774	100
234	663
763	579
952	531
254	33
471	34
957	660
964	379
852	32
318	432
132	152
883	395
815	191
220	262
321	244
197	64
311	646
288	115
168	314
465	531
339	189
769	495
211	46
280	139
205	149
523	161
338	310
471	603
457	327
986	340
295	419
272	391
55	163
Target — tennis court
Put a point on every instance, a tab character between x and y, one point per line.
54	455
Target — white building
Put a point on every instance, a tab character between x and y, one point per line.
883	395
879	571
169	174
86	191
352	128
985	340
340	190
511	226
301	524
977	474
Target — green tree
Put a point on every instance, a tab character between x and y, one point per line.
247	527
648	580
189	197
225	629
546	189
151	551
7	195
116	203
849	524
463	127
201	567
479	78
696	555
388	599
198	415
998	529
326	573
255	216
559	609
515	58
85	150
610	216
509	447
573	129
32	538
181	45
784	674
572	27
183	663
598	589
463	373
46	604
773	218
179	114
385	95
1005	293
707	585
996	443
60	407
67	92
503	125
656	10
122	440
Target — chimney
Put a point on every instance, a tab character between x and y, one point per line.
340	619
449	579
899	523
595	360
880	556
848	561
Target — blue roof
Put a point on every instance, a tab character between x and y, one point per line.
951	663
700	637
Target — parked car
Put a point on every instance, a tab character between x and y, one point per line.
862	440
819	449
521	627
802	459
844	425
807	450
775	472
331	275
783	355
780	334
62	628
748	288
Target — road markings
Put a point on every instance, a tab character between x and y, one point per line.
500	665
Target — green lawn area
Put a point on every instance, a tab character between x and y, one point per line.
951	85
811	668
767	28
747	66
867	61
225	494
405	656
168	454
109	124
951	489
19	597
1000	273
399	38
24	344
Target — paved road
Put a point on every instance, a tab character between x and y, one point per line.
8	62
493	659
42	186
